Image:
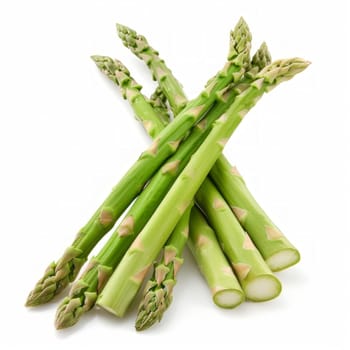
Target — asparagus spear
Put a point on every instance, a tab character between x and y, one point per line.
225	289
59	274
158	291
255	277
84	291
126	280
277	251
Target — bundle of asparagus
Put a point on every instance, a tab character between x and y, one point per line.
185	191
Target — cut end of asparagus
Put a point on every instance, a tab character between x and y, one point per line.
228	298
263	288
108	302
109	308
283	259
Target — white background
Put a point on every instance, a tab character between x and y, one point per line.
66	137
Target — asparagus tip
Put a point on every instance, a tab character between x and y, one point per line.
50	284
68	313
240	43
96	58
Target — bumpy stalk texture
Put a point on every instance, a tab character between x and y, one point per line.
126	280
150	160
158	293
275	248
225	289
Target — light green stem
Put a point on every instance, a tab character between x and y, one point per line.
225	288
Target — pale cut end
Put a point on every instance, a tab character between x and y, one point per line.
263	288
283	259
228	298
109	309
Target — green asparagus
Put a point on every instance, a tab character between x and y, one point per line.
59	274
126	280
278	252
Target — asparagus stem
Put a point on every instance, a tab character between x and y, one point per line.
139	46
277	251
225	289
157	295
126	280
59	274
251	269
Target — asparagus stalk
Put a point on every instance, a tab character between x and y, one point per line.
278	252
126	280
255	277
275	248
139	46
157	295
225	289
84	291
59	274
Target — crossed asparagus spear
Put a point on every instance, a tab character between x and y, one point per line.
186	191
